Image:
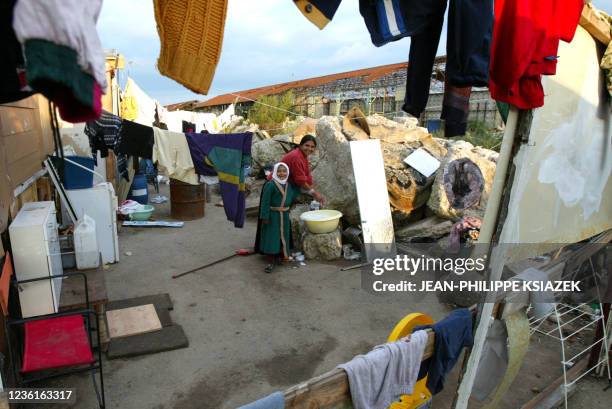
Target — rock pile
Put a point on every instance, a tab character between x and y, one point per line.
422	207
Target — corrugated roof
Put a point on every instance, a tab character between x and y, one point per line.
182	105
369	74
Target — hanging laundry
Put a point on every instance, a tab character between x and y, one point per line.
377	379
526	38
105	133
136	105
171	153
161	114
468	54
136	140
13	86
63	54
319	12
391	20
455	109
191	35
452	334
227	156
188	126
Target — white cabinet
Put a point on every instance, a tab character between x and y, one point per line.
99	203
36	252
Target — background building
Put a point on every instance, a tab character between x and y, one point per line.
374	90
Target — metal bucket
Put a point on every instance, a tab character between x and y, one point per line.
186	201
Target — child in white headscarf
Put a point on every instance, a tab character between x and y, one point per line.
274	227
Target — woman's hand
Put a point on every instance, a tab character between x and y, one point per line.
318	197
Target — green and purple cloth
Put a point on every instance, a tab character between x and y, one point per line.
226	156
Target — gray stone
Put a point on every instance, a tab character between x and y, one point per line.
297	225
333	173
326	246
269	151
432	227
464	154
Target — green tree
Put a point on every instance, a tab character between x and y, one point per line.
271	111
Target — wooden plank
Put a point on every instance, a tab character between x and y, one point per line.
597	27
331	389
131	321
43	185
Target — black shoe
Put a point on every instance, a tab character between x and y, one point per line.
269	268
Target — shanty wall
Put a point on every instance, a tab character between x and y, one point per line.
562	190
26	139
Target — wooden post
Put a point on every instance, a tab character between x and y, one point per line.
330	390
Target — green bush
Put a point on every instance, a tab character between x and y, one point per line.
271	111
478	134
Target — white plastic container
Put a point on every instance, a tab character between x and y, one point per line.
86	244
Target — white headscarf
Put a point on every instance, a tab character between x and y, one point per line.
275	173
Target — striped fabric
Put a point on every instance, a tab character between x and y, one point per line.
390	20
105	133
224	155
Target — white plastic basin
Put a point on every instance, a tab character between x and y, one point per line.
321	221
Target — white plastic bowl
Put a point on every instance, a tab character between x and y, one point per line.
321	221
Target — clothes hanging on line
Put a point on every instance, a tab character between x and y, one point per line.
63	54
227	156
452	334
171	153
318	12
468	55
392	20
191	36
188	127
13	86
104	133
136	105
377	379
526	39
136	140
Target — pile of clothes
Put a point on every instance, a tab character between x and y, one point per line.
513	44
52	47
180	156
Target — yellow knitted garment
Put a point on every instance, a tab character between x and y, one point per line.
191	35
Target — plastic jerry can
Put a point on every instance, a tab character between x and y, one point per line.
86	244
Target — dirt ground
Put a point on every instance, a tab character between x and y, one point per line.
252	333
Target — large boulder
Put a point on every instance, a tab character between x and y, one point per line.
431	228
269	151
463	183
326	246
306	127
333	174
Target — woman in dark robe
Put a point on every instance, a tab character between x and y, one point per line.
274	228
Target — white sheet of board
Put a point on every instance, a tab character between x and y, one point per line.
423	162
373	198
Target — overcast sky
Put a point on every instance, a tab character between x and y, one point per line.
266	42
